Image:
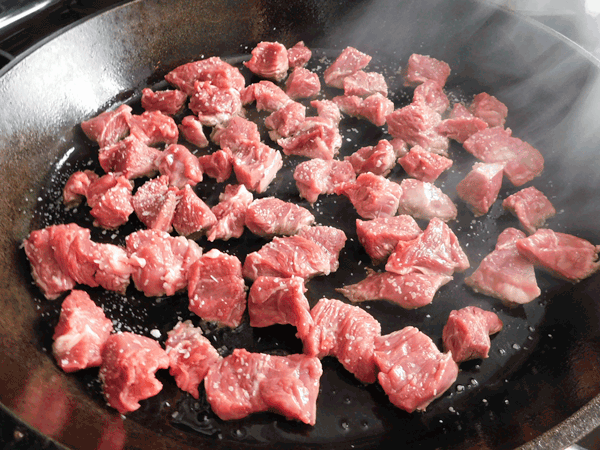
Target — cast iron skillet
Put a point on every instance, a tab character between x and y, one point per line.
543	373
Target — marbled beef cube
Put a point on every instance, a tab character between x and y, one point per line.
77	186
372	195
327	109
109	127
178	163
423	165
192	216
315	138
380	236
375	108
302	83
422	68
154	203
213	69
286	121
191	130
270	216
531	207
489	109
255	165
154	127
269	60
480	188
364	84
230	213
379	159
430	94
298	55
110	200
319	176
236	131
424	200
214	105
331	240
169	102
130	157
268	96
347	63
217	165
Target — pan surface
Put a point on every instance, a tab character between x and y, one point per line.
543	368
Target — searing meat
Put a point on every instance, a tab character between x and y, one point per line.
423	165
169	102
379	159
425	201
192	216
155	202
230	213
318	176
270	216
364	84
372	195
380	236
110	200
180	165
461	124
108	127
191	129
315	138
331	240
349	104
286	121
422	68
269	60
130	157
217	165
77	186
328	110
236	131
430	94
302	83
375	108
214	70
268	96
154	127
480	188
255	165
298	55
349	62
214	105
531	207
488	108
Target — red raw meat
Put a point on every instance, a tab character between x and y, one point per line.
563	255
270	216
236	131
154	127
217	165
169	102
413	371
191	355
505	274
467	333
286	121
302	83
245	383
328	110
331	240
399	146
113	267
430	94
192	216
178	163
349	62
460	111
423	165
372	195
268	96
129	157
255	165
364	84
77	186
480	188
214	70
73	250
318	176
531	207
425	201
108	127
129	364
155	202
214	105
230	213
80	334
191	129
380	236
298	55
375	108
422	68
349	104
461	124
379	159
110	200
488	108
316	138
216	288
269	60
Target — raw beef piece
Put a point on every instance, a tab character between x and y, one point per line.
531	206
331	240
467	333
169	102
129	364
192	216
286	257
113	268
349	104
488	108
255	165
316	138
230	213
129	157
431	95
154	127
372	195
480	188
286	121
379	159
110	200
413	371
375	108
214	105
274	300
217	165
77	186
216	288
364	84
161	263
346	332
491	145
563	255
269	60
237	130
380	236
245	383
436	250
400	147
270	216
460	111
425	201
302	83
155	202
423	165
327	109
416	124
80	334
318	176
422	68
191	355
409	291
214	70
191	129
268	96
461	124
505	274
298	55
108	127
180	166
349	62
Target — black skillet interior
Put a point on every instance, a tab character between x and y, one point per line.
543	366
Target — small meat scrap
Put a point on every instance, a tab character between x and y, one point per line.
154	203
286	257
80	334
109	127
230	213
327	109
298	55
110	200
505	274
531	207
316	138
346	332
191	355
372	195
286	121
191	129
161	263
192	216
461	124
169	102
364	84
423	165
436	250
216	288
349	62
379	159
178	163
77	186
130	157
430	94
425	201
480	188
154	127
422	68
217	165
244	383
129	364
269	60
319	176
214	70
380	236
270	216
563	255
409	291
214	105
331	240
488	108
255	165
467	333
236	131
413	371
268	96
302	83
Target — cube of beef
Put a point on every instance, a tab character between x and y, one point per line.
192	216
270	216
255	165
380	236
349	62
191	130
430	94
268	96
467	333
154	203
425	201
214	105
214	70
318	176
379	159
113	268
488	108
286	121
331	240
217	165
423	165
327	109
298	55
461	124
236	131
129	157
80	334
77	186
416	124
480	188
364	84
315	138
400	147
375	108
154	127
169	102
230	213
269	60
302	83
110	200
422	68
108	127
182	168
531	207
372	195
349	104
